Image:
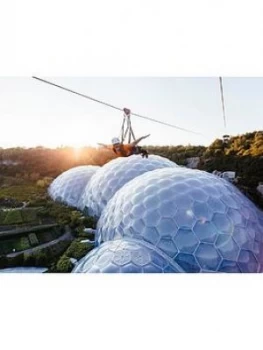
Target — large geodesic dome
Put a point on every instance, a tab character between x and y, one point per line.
68	187
126	257
113	175
202	222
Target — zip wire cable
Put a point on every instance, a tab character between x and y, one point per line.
222	100
114	107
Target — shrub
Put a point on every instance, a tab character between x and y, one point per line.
21	243
64	264
77	249
88	221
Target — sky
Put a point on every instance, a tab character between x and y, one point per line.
36	114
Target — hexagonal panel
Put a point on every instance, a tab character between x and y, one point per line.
166	226
122	257
151	202
151	218
229	266
187	262
116	174
167	209
167	245
227	247
199	195
186	241
247	261
242	238
208	257
225	220
205	231
69	186
164	193
216	205
138	225
202	211
185	218
151	235
183	201
223	223
235	216
158	260
138	211
230	201
125	257
140	258
213	191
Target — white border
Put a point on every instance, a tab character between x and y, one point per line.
131	38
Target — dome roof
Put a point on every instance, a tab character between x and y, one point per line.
202	222
69	186
126	256
113	175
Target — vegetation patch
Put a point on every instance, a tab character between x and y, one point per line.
2	216
29	215
64	264
76	250
13	217
22	193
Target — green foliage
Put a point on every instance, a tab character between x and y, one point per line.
13	217
249	144
22	244
89	221
64	264
77	249
29	215
2	216
75	218
177	154
37	202
21	192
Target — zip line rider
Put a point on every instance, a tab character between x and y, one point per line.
126	150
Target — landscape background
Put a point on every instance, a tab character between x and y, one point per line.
35	231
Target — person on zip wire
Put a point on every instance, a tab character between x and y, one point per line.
126	150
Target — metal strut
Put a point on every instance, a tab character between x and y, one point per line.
126	128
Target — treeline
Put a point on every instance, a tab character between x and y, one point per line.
36	163
177	154
243	154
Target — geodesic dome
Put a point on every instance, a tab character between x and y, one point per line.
69	186
126	257
200	221
113	175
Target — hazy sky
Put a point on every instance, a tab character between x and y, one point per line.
33	113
